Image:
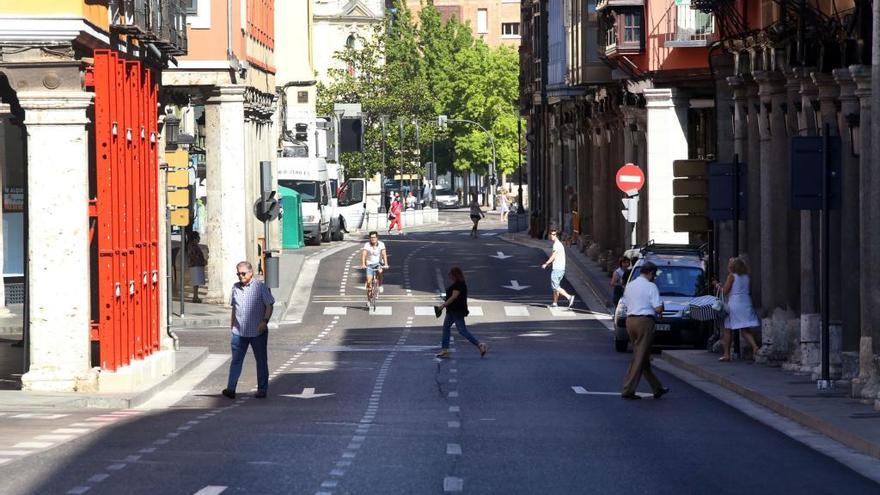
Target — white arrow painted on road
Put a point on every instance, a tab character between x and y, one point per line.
583	391
307	393
501	256
514	285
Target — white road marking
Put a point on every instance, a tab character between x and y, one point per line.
54	438
14	452
475	310
424	310
454	409
381	311
99	478
452	484
4	461
211	490
79	490
453	449
563	312
453	424
115	467
583	391
516	311
335	310
453	394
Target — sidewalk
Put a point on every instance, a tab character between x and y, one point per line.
793	396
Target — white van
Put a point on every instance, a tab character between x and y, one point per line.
308	176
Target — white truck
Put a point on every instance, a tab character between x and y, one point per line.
308	176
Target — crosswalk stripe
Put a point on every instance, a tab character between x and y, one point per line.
424	310
475	311
516	311
335	310
381	311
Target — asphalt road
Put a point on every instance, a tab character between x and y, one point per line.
400	421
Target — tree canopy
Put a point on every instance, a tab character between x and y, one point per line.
406	73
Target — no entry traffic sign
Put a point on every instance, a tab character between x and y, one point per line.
630	178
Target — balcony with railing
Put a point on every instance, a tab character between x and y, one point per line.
159	22
688	27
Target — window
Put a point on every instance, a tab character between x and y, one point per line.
192	6
632	28
482	21
510	29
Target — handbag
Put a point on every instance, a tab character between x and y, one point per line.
720	307
702	308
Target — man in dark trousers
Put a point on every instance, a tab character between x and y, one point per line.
642	300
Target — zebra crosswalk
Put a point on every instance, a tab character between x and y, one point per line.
518	311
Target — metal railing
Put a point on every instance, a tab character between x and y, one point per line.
686	26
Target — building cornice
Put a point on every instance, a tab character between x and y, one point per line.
53	29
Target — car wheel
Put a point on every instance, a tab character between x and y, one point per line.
620	345
325	237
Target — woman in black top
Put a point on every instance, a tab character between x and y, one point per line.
456	310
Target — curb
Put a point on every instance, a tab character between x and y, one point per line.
778	407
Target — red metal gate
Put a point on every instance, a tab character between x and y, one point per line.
126	209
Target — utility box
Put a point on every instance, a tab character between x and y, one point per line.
291	220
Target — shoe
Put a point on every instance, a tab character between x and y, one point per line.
570	301
442	354
196	300
724	359
228	393
484	348
630	397
261	394
660	393
381	289
554	305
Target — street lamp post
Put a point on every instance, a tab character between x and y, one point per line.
519	208
491	140
383	120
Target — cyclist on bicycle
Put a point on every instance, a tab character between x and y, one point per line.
374	259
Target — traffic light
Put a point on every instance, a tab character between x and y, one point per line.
351	135
301	132
690	189
630	208
267	207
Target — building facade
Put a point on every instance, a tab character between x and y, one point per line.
80	159
224	92
716	83
496	22
341	23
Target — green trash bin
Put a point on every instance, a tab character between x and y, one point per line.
291	222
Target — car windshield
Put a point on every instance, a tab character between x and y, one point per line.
308	190
442	191
681	281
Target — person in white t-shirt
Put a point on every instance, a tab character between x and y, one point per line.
557	260
374	259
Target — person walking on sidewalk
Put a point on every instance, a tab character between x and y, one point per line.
395	214
476	215
741	315
557	261
456	310
619	277
251	310
642	299
504	204
195	258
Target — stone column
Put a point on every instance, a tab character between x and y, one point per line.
739	132
867	384
774	208
58	247
849	212
226	189
667	141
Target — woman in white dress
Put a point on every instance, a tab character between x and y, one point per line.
741	315
504	202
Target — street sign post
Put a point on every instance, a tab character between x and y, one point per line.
630	179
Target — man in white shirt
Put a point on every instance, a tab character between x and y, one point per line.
557	260
642	301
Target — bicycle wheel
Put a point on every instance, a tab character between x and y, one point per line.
374	295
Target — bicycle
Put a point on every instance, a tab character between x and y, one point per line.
373	288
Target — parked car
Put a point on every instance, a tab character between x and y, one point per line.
681	276
446	197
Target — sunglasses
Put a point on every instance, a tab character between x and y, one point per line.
242	274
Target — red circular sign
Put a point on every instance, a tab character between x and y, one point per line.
630	177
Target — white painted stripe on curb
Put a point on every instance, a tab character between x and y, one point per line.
452	484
